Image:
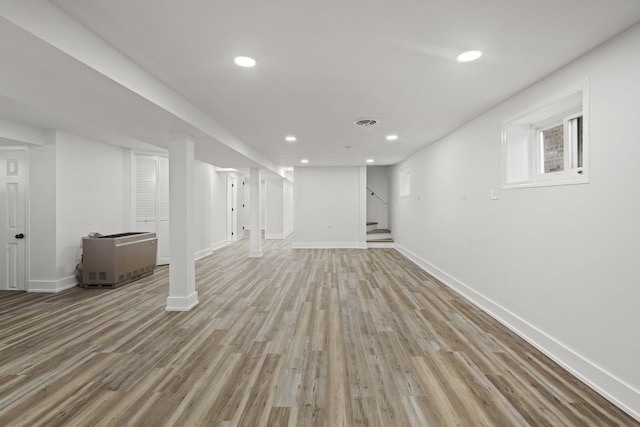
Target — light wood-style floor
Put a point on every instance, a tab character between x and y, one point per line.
298	338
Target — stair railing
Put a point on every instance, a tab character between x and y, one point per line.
373	193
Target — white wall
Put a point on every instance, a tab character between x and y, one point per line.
42	213
557	264
274	209
202	211
89	195
329	209
377	181
210	209
287	215
218	209
78	186
263	203
75	188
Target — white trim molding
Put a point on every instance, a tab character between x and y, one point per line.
380	245
52	286
214	247
202	253
274	236
328	245
182	303
621	394
522	148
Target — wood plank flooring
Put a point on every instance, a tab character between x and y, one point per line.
296	338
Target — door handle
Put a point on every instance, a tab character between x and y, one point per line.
19	236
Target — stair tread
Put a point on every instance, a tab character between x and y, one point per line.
379	231
380	240
371	223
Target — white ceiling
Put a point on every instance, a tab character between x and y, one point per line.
321	65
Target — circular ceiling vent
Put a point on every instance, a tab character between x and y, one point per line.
366	122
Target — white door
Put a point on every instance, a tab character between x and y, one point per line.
239	208
232	209
151	200
246	198
13	175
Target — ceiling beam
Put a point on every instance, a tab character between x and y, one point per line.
49	23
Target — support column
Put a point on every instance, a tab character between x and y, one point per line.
254	196
182	267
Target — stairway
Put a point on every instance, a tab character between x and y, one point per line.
378	237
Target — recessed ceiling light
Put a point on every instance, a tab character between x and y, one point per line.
471	55
369	160
244	61
392	137
304	161
290	138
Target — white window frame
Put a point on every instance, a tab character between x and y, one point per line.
522	150
569	146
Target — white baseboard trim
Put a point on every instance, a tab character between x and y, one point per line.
380	245
617	391
51	286
201	254
328	245
274	236
214	247
182	303
288	233
219	245
255	254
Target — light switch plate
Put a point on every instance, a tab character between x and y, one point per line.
495	194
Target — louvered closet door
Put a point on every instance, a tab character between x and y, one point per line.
151	200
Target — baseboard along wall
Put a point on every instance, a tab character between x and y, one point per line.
612	388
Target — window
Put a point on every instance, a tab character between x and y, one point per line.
560	145
548	145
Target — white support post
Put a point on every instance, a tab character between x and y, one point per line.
182	281
256	234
